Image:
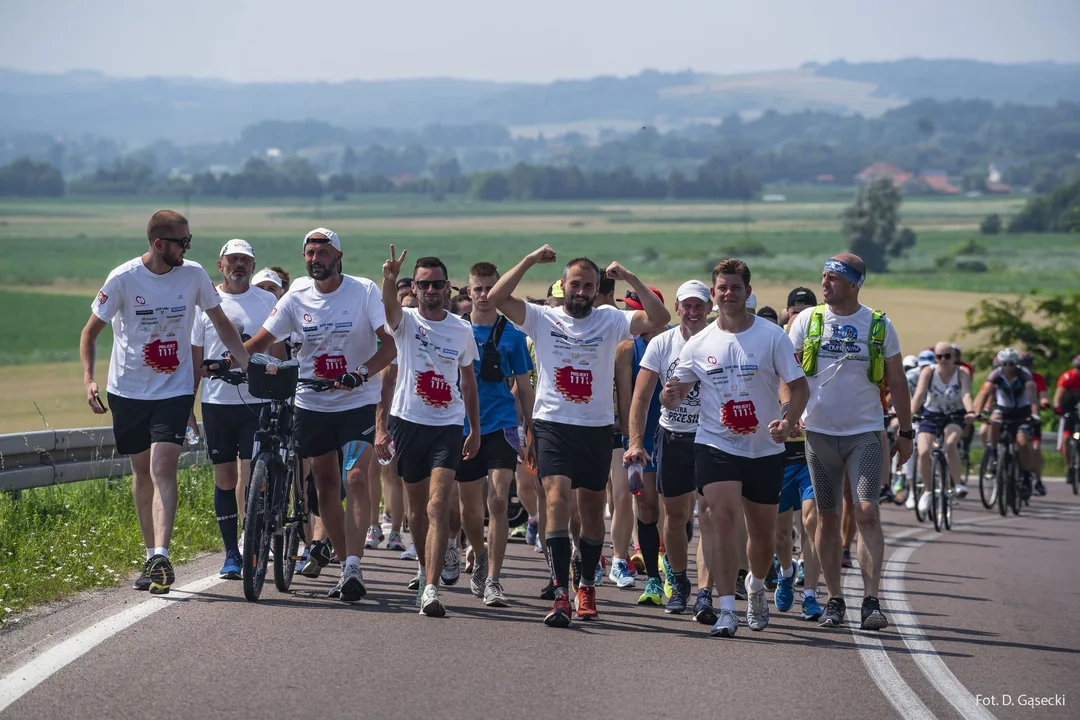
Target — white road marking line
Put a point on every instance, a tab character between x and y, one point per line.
27	677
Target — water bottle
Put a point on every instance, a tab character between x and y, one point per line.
393	450
192	436
635	475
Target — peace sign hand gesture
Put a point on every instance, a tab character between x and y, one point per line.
392	267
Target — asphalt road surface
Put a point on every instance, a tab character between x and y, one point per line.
984	622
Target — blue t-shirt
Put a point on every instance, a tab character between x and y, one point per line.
652	418
497	408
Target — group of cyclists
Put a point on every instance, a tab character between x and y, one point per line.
764	426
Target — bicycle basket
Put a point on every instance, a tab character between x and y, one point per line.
272	379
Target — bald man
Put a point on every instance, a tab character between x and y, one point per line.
847	350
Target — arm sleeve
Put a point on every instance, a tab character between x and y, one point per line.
892	340
623	326
533	313
784	359
208	298
684	371
798	330
651	359
198	331
281	322
109	300
406	322
375	308
469	353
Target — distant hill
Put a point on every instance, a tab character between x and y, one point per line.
186	110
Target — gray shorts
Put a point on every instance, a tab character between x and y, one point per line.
830	457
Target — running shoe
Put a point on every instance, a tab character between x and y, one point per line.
395	541
834	613
318	558
516	532
846	561
654	593
374	537
410	552
872	617
335	592
924	504
559	617
470	560
493	594
679	598
548	593
479	576
784	597
960	490
704	612
800	574
539	546
585	607
620	574
726	624
386	519
234	565
417	585
810	608
532	531
143	582
162	575
352	583
1040	489
740	585
770	577
638	561
430	604
909	504
598	575
451	566
669	576
757	611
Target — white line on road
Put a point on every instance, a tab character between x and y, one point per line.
25	678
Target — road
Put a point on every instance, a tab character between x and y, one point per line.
988	610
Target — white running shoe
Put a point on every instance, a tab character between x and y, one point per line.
451	566
410	552
924	501
960	490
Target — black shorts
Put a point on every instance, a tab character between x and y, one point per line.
419	449
932	422
1016	418
139	423
318	433
582	454
762	478
498	451
230	431
674	463
616	439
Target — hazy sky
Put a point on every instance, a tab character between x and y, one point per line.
515	40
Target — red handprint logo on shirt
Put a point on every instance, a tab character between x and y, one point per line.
433	389
739	417
573	384
330	367
162	357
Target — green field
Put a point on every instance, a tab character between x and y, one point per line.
43	328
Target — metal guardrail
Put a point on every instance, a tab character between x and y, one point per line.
54	457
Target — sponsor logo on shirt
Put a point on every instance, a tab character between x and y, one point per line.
162	356
433	389
102	298
574	384
330	367
140	300
307	317
144	312
740	417
342	325
178	308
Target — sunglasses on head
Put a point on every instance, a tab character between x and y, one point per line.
425	284
945	356
184	242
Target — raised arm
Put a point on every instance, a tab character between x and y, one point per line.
390	271
654	315
502	295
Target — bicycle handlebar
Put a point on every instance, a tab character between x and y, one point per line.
219	370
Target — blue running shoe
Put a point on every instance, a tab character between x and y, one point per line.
703	607
620	574
233	566
800	575
784	597
532	531
810	608
679	597
669	576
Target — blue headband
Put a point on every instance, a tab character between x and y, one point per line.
845	271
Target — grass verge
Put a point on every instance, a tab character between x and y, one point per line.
60	540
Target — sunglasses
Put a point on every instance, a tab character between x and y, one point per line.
946	356
184	242
425	284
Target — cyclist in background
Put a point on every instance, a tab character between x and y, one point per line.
1027	360
1066	402
1015	403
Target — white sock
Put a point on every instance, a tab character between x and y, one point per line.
352	560
161	551
809	594
727	602
149	553
754	584
789	572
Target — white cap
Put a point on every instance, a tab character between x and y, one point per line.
267	276
330	235
236	246
692	288
910	361
751	302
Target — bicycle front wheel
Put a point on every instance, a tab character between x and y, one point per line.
287	543
987	482
258	525
1014	496
1074	466
938	479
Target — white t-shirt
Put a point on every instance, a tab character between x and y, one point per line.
843	401
247	311
152	316
661	356
338	332
430	356
575	360
740	375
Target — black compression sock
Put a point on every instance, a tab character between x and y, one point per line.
649	540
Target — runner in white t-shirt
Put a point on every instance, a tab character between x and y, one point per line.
152	304
435	391
575	354
341	318
673	454
230	414
746	368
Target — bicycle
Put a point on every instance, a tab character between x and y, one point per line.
941	487
1004	488
1072	442
896	490
276	509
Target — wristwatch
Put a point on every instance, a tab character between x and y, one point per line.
362	370
907	434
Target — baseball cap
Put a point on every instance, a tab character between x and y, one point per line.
910	361
236	246
926	357
267	276
801	296
330	235
751	302
555	290
692	288
632	301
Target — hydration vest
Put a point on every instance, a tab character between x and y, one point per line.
875	373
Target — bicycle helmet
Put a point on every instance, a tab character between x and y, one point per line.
1008	356
1027	359
1076	362
910	361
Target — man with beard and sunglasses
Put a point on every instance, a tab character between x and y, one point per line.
151	302
575	353
435	391
341	320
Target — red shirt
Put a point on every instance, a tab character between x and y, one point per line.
1070	380
1040	381
967	366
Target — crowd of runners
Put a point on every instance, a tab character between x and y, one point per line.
770	429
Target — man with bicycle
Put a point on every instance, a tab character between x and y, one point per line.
151	302
1067	405
341	320
1016	406
943	393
